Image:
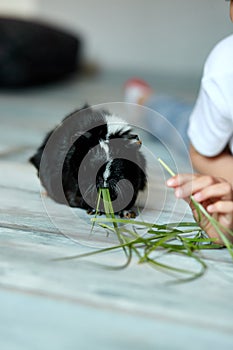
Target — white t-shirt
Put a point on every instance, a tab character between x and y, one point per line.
211	122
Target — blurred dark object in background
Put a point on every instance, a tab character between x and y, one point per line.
35	53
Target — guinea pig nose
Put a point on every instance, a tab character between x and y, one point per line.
139	142
136	140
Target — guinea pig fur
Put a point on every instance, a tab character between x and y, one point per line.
89	150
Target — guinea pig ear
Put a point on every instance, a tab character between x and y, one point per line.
77	135
134	141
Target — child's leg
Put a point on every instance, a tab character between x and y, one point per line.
174	110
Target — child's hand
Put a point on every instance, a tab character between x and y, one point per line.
215	194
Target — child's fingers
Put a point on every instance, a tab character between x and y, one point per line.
187	184
182	184
180	179
219	190
223	207
224	210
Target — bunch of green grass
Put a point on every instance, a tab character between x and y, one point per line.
169	238
220	229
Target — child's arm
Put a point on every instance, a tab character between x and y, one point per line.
219	166
215	194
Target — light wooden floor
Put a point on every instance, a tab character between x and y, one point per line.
76	304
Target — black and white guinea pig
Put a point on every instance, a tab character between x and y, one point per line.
89	150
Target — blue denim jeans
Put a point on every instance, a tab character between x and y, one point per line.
175	111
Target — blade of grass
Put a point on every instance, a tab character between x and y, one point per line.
97	210
109	211
169	170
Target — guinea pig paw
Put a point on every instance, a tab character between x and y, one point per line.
91	211
128	214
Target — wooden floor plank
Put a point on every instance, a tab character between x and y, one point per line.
78	304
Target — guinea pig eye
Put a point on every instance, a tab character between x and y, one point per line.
87	135
134	140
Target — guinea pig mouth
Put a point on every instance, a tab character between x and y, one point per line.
107	186
103	185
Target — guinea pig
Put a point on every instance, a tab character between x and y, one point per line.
89	150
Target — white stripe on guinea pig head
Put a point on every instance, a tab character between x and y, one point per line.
116	125
104	144
107	173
